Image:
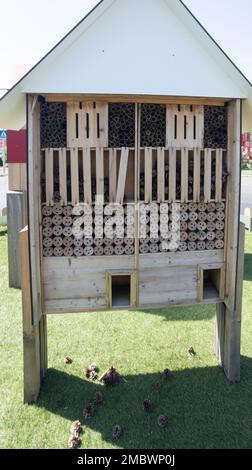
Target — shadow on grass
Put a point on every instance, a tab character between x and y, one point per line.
3	231
248	267
204	409
192	312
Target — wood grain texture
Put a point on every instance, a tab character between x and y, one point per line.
34	206
31	337
16	208
120	193
63	176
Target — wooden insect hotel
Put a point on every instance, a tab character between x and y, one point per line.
133	151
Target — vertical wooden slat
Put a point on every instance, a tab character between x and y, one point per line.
161	174
122	176
72	107
14	176
169	125
220	333
199	114
34	198
49	176
196	174
148	174
218	180
172	174
112	174
136	157
63	176
23	177
102	110
207	174
233	198
87	175
184	175
74	176
180	140
100	175
189	127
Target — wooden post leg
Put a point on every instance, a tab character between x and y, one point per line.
219	333
231	333
43	345
232	346
34	336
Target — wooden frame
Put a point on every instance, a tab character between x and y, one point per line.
51	97
230	276
133	288
209	267
34	205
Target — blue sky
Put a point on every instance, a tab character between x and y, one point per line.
29	28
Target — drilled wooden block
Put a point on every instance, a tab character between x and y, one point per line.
53	125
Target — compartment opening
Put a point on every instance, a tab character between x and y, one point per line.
121	290
211	283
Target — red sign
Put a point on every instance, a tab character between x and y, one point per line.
16	146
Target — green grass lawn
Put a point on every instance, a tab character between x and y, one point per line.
246	172
204	409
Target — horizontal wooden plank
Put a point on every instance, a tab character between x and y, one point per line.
171	274
181	259
152	297
75	289
75	268
78	305
137	99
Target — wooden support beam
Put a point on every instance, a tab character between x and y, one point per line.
233	319
72	109
87	175
148	174
112	174
172	174
137	99
43	346
74	160
161	174
34	336
218	176
120	193
199	130
184	175
196	174
63	176
34	198
233	199
207	174
49	176
100	175
220	333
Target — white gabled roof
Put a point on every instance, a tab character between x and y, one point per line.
136	47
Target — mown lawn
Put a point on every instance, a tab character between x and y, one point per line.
204	409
